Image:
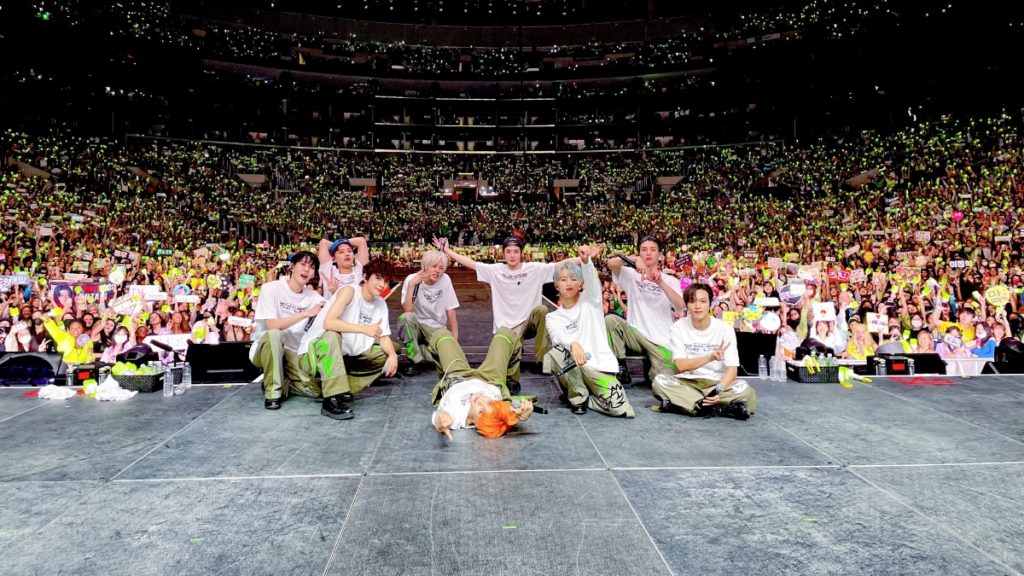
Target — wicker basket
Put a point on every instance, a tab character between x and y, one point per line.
147	383
798	372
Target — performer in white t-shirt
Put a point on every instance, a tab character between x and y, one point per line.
585	362
704	353
341	263
284	312
360	316
515	295
430	303
652	294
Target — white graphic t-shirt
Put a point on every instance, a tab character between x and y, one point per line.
330	271
457	400
584	323
514	293
278	301
650	311
433	302
688	342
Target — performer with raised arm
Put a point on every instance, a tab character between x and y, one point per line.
341	263
515	295
651	296
585	363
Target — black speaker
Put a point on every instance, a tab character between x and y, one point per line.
34	368
224	362
750	346
1009	358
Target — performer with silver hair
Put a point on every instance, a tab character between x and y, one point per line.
585	362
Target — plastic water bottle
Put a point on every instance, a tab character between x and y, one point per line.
168	384
69	377
762	368
910	366
186	375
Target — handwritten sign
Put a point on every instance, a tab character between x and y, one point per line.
126	305
824	311
877	323
858	275
247	322
175	341
998	296
922	236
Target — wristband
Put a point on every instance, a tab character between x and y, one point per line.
719	388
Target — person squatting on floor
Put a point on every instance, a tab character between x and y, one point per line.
585	365
515	295
651	296
360	316
704	353
302	352
466	397
430	304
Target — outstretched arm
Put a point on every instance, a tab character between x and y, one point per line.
442	245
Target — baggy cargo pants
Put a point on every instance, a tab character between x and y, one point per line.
685	393
599	390
504	346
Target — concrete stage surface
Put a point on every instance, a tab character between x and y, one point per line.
892	477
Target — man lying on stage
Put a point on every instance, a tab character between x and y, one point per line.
467	397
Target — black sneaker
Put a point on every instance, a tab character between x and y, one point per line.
333	407
410	370
579	409
514	388
737	410
274	404
346	397
623	375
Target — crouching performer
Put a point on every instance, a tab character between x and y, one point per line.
586	365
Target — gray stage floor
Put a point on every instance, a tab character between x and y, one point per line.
886	478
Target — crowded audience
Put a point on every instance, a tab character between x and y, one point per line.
913	238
